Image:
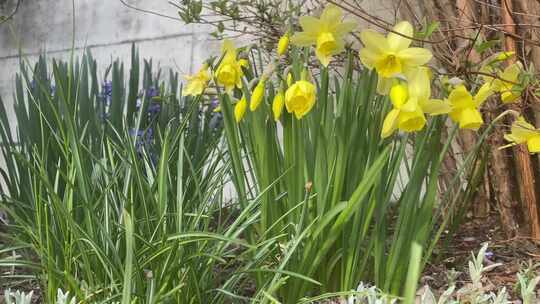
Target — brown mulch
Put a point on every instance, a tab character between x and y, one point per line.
514	254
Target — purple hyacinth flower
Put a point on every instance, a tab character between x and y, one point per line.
106	92
152	92
154	108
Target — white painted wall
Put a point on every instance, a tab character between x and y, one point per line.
107	27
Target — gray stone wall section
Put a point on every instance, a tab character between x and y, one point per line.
107	28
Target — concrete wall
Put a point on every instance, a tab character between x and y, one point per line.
107	27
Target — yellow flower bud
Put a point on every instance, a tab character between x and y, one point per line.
399	94
283	44
257	96
289	79
240	109
504	55
300	98
277	105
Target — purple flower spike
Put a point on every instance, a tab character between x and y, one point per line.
152	92
106	92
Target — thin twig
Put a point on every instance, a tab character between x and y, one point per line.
5	19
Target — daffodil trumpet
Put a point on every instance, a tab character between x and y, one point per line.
465	107
229	72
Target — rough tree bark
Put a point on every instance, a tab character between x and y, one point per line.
524	167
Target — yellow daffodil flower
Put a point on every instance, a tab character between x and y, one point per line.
524	132
197	82
326	33
300	98
410	102
240	109
257	95
506	83
465	106
229	72
283	44
392	55
277	105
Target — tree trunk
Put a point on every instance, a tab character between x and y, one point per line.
524	168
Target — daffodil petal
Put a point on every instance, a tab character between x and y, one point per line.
413	57
309	24
303	39
483	93
344	27
511	73
514	139
419	83
323	58
369	57
398	42
521	130
485	70
510	96
331	14
228	47
435	106
374	41
411	105
384	85
461	98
